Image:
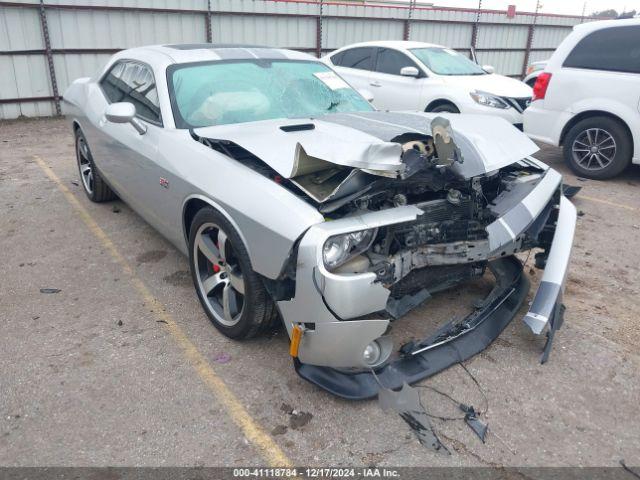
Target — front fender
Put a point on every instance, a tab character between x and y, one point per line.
268	217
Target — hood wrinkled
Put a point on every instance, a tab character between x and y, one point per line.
363	140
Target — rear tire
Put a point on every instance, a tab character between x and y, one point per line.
445	107
598	148
230	292
92	182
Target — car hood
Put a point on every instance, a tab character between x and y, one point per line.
498	85
365	140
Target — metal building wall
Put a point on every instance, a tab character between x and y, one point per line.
84	33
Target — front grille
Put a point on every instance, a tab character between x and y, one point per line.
520	104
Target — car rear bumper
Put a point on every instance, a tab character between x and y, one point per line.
544	125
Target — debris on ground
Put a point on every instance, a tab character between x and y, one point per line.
115	209
299	419
570	191
580	213
407	404
279	430
119	323
471	419
74	182
50	290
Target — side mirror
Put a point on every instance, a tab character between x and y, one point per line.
366	94
410	72
488	68
124	112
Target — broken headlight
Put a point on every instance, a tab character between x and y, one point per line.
338	249
488	100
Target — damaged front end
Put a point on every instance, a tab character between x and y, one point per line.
415	212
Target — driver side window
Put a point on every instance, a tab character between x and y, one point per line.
133	82
392	61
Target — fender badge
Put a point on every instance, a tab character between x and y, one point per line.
164	182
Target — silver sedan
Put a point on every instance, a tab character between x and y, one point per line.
298	203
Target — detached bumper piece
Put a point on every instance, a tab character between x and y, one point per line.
452	343
546	308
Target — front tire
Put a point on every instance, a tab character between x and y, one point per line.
598	148
92	183
231	293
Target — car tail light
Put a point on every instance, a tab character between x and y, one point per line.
540	87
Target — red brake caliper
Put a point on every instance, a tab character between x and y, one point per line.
216	267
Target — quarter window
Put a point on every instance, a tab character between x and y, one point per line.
133	82
360	58
392	61
615	49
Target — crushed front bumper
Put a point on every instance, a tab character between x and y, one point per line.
432	356
340	313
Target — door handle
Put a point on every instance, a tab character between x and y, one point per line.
375	84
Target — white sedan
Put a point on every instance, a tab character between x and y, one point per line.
422	76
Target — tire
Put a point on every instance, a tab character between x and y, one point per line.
613	148
249	310
92	182
445	107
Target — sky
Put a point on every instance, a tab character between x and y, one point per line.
567	7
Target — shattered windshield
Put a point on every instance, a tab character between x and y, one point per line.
445	61
219	93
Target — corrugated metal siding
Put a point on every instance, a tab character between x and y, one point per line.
20	29
507	36
506	63
260	30
100	29
449	34
548	37
279	23
337	32
538	56
70	66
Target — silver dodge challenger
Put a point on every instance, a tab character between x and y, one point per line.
297	202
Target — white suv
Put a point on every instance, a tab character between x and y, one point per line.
588	98
422	76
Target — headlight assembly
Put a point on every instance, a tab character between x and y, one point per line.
338	249
488	100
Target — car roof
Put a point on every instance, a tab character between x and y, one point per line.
398	44
199	52
600	24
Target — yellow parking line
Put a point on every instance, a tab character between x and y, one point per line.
269	450
607	202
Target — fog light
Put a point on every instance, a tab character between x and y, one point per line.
371	354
